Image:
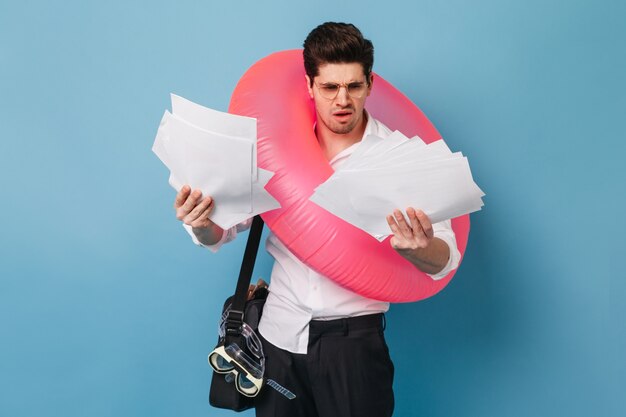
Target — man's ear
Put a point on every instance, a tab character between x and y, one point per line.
309	85
371	83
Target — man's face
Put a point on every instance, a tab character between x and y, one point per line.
342	114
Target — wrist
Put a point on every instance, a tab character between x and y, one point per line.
209	235
429	259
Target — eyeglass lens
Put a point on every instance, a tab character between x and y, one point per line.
331	90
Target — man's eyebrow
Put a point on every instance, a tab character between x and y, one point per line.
336	83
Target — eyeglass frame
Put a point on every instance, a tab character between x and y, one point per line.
344	85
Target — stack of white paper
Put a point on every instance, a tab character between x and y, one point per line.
396	173
216	153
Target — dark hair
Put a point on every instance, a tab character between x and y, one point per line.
333	42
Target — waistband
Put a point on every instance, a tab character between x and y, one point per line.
344	325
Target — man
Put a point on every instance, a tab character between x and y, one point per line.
322	341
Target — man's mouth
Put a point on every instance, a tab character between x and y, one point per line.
342	113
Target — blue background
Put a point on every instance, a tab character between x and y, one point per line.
106	307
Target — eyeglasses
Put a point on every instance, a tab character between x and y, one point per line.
330	91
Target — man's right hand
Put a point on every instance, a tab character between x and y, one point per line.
193	210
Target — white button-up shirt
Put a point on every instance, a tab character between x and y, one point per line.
298	294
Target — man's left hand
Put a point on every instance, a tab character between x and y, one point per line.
416	233
414	240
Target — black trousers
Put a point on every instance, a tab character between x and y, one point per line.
347	372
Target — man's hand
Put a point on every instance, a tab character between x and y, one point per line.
193	210
415	240
416	234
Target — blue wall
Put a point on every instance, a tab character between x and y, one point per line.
106	308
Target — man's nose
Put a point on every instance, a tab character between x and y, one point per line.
342	96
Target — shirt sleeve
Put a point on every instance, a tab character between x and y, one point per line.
228	236
443	230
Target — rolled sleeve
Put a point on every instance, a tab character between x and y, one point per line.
443	230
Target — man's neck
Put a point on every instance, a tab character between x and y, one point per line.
333	143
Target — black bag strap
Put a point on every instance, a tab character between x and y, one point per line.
235	315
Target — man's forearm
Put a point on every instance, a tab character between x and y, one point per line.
208	235
431	259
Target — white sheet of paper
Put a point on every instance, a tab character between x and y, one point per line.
227	217
407	152
218	165
401	173
159	149
215	152
444	193
222	123
371	143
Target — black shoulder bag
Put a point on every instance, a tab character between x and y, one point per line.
237	310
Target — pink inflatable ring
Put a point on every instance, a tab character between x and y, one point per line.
274	92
